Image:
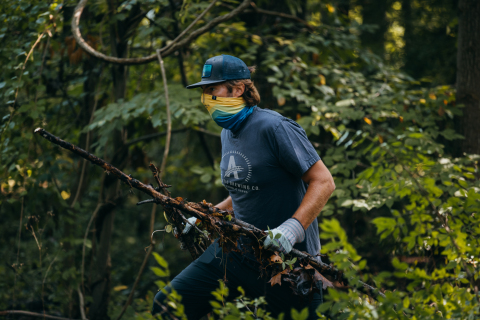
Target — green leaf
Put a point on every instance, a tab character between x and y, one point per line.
160	260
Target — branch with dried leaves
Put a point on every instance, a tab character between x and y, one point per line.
176	44
216	220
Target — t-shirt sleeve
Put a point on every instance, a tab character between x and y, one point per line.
294	151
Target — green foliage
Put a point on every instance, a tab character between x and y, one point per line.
404	215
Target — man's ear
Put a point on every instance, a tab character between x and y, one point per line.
238	90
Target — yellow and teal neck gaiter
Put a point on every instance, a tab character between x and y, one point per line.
227	112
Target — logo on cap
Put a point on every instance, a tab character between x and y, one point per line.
207	71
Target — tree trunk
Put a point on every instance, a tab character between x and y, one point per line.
374	13
105	219
468	74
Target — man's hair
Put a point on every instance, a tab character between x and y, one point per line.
251	95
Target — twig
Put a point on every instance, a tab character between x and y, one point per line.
25	63
81	303
39	245
165	51
153	232
152	219
146	201
165	310
32	314
193	23
169	119
43	282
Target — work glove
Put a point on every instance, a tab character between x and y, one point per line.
291	232
189	226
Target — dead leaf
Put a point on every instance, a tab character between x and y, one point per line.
277	279
319	277
326	283
275	258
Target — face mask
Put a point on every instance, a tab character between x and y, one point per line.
227	112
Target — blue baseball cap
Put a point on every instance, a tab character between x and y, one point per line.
222	68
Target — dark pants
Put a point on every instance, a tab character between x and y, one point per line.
196	283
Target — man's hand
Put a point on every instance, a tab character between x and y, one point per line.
286	235
189	225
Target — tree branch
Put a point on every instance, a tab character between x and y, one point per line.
165	51
169	118
32	314
204	211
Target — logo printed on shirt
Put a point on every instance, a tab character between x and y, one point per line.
232	168
237	172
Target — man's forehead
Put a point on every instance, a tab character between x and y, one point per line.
208	86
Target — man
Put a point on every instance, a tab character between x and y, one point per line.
275	180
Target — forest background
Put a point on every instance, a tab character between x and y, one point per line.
387	91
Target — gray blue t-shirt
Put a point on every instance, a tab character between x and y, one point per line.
262	165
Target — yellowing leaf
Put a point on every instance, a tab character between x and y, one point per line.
29	172
400	118
432	96
256	39
367	120
65	195
330	8
380	138
323	81
423	101
120	288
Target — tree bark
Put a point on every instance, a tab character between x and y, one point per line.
468	74
105	219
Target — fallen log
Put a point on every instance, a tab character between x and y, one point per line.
215	219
